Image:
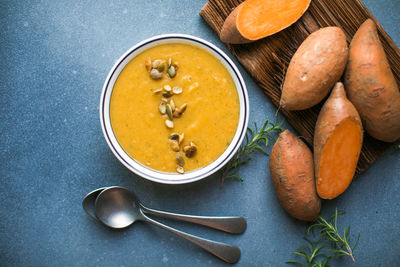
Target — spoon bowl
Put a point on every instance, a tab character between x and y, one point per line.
117	207
89	202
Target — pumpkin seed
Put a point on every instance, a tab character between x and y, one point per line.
180	160
169	62
167	94
167	91
179	111
155	74
177	90
159	65
148	64
174	136
168	109
190	150
167	88
171	71
155	63
169	124
180	170
174	145
163	108
163	99
182	108
157	90
181	137
176	113
172	104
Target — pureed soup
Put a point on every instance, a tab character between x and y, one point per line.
174	108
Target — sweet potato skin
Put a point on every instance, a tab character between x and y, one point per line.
315	67
371	85
334	111
229	32
291	168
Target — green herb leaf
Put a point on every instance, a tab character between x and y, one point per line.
255	141
329	241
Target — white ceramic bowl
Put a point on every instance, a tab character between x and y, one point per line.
144	171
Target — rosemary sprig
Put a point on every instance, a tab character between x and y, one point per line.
256	140
329	231
312	252
329	245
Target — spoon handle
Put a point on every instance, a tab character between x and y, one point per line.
233	225
225	252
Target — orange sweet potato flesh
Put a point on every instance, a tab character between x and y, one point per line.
292	173
338	140
371	86
256	19
314	69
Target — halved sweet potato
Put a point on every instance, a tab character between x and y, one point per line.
256	19
338	140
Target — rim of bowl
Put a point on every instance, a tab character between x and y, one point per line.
147	172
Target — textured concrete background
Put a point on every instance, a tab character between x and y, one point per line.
54	57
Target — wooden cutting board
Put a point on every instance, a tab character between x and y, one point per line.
267	59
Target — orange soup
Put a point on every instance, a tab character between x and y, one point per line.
174	108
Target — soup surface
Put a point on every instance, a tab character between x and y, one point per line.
208	123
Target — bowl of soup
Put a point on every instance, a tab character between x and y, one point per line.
174	109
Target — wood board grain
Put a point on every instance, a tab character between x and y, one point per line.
267	59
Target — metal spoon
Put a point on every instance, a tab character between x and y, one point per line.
233	225
89	200
117	207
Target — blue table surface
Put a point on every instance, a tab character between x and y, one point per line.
54	58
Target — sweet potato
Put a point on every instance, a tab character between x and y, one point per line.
292	173
315	67
338	140
256	19
371	86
